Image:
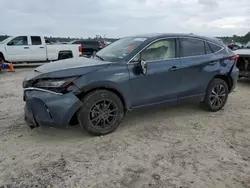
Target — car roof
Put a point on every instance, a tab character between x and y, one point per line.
162	35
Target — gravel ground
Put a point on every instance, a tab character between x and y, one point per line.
177	147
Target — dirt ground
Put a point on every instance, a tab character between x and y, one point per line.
177	147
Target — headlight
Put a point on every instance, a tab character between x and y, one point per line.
54	83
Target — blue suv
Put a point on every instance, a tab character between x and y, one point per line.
131	73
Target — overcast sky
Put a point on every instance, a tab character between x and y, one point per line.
118	18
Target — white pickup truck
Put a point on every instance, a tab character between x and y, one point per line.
35	49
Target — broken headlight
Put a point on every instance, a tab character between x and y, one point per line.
54	84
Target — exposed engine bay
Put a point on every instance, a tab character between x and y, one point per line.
243	65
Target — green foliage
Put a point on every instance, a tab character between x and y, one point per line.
2	37
242	39
62	39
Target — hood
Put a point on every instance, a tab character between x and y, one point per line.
73	63
69	67
243	52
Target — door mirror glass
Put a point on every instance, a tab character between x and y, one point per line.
143	67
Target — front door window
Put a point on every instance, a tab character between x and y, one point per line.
18	41
159	51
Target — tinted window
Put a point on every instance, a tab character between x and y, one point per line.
208	49
160	50
77	42
215	48
22	40
89	43
93	43
191	47
36	40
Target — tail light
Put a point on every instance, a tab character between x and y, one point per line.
101	45
80	48
235	58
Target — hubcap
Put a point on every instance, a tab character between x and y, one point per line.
218	96
103	114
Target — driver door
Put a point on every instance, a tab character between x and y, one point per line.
18	49
160	83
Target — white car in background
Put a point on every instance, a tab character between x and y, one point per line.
36	49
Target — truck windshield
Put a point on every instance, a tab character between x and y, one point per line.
120	49
248	45
4	40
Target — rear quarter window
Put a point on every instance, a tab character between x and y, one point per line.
214	47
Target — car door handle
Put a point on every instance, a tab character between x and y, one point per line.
41	47
174	68
212	62
26	47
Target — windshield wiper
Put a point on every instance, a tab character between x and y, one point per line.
101	58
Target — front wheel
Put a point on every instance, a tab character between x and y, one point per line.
101	112
216	96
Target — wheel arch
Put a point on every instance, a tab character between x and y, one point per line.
227	79
108	87
2	56
65	52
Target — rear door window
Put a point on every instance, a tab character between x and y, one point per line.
191	47
35	40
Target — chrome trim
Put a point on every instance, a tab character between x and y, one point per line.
162	60
149	45
43	90
177	37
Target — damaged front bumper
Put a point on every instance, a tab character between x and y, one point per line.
47	108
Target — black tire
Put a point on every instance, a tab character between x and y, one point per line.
216	95
2	57
88	113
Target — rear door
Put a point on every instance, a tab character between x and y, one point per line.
199	64
37	49
18	50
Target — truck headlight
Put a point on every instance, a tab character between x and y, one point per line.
55	83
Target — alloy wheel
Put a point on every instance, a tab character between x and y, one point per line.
218	96
103	114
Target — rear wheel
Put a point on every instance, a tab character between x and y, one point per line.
101	112
216	96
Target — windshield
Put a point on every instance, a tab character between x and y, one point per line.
4	40
120	49
248	45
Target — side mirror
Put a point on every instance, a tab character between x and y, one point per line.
11	43
143	66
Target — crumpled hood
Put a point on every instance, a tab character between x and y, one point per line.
72	63
67	68
242	52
